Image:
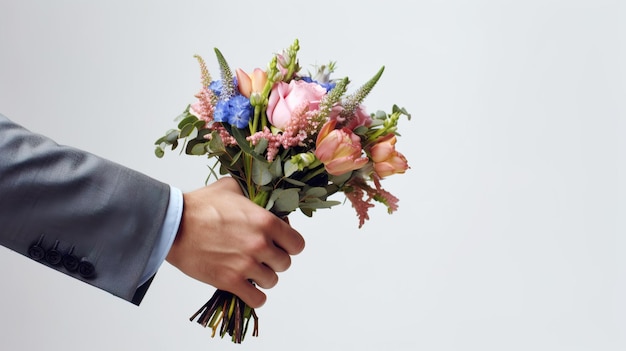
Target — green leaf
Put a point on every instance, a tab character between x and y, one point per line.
244	144
199	149
186	130
401	110
307	211
261	146
316	192
159	152
215	144
341	179
319	204
190	119
170	137
294	182
276	167
287	200
235	158
290	168
261	174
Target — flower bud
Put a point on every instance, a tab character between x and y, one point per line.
387	160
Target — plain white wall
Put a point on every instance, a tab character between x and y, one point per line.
510	232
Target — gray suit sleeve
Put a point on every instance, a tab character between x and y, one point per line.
82	215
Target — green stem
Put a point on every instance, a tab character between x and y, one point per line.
255	120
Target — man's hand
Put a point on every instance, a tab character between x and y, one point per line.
225	240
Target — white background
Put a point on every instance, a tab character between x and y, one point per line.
510	232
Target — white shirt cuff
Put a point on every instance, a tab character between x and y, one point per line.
168	234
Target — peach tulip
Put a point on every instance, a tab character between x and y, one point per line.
339	149
251	83
387	160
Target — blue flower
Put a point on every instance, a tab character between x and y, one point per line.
222	110
235	111
240	111
217	86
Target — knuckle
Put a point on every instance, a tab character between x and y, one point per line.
228	279
257	244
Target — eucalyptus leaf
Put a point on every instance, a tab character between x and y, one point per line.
316	192
215	144
170	137
307	211
261	174
294	182
319	204
261	146
276	167
190	119
290	168
186	130
287	200
199	124
159	152
199	149
341	179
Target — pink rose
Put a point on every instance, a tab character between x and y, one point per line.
387	160
285	98
339	149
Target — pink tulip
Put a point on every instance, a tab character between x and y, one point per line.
339	149
251	83
285	98
387	160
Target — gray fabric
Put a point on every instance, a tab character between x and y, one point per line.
110	215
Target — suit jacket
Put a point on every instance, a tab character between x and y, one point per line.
82	215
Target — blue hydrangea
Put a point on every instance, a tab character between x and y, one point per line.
235	111
216	86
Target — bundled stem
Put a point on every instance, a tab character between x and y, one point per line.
231	312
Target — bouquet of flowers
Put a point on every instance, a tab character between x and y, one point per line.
291	140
